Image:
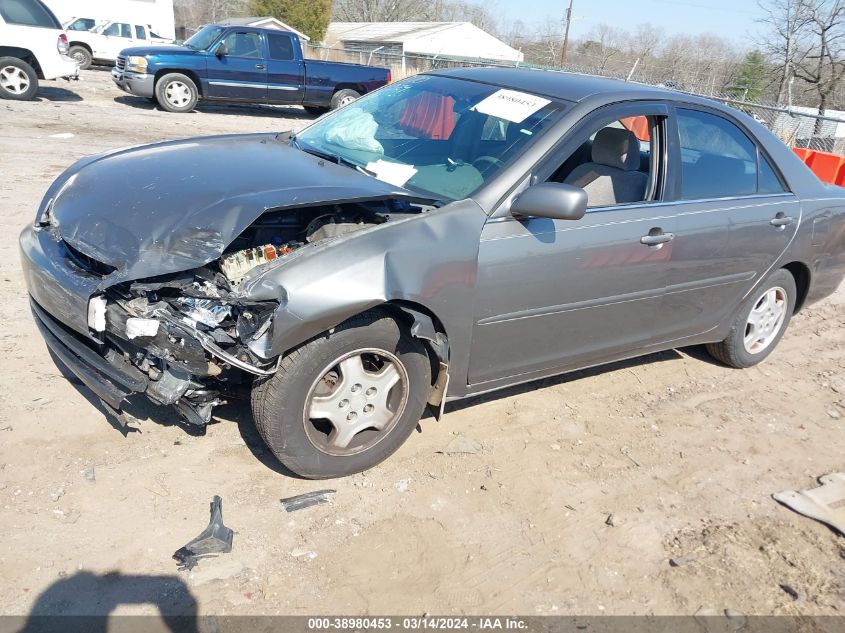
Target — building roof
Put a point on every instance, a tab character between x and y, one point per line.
442	39
265	22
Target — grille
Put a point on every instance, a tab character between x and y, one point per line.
88	264
121	62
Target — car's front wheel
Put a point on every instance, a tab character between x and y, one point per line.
81	56
346	400
760	324
176	92
18	80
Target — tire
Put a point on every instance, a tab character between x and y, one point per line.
316	110
82	56
753	338
18	80
176	92
343	97
283	404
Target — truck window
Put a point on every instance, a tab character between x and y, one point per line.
244	44
281	47
140	33
28	13
118	29
82	24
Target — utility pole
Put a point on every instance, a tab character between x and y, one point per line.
565	49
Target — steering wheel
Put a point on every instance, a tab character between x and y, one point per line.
486	162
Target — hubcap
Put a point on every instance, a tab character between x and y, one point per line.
14	80
80	57
356	402
765	321
177	94
346	100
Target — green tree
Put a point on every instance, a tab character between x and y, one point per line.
309	16
751	78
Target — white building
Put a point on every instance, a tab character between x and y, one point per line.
157	13
441	40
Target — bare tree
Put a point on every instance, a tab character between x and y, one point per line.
786	22
823	63
384	10
194	13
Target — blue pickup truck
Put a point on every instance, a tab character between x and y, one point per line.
243	65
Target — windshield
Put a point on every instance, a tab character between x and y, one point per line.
205	37
439	136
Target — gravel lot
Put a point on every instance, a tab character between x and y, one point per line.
683	453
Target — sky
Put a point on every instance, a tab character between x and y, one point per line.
733	19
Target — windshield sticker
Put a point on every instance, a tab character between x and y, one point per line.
511	105
396	174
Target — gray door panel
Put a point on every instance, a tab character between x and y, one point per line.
556	293
721	250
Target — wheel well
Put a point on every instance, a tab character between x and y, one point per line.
83	45
188	73
23	54
801	273
356	87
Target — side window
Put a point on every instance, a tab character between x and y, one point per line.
140	32
616	163
717	159
28	13
768	181
118	29
82	24
242	44
281	47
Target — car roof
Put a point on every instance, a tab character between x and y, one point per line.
558	84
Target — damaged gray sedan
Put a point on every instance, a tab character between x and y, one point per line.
443	237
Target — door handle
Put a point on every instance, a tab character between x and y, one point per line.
656	239
781	221
259	66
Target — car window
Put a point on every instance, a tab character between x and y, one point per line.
281	47
768	180
717	159
118	29
82	24
614	164
140	33
28	13
244	44
440	136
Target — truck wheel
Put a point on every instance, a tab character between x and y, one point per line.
346	400
343	97
82	56
176	92
760	324
18	80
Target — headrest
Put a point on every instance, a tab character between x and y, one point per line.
617	147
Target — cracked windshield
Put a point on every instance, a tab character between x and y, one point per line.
440	137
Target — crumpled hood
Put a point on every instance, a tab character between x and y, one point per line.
168	207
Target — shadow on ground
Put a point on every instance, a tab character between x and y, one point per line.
269	111
54	93
85	600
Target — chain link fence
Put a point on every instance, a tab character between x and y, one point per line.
798	127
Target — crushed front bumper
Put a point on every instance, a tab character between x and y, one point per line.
141	85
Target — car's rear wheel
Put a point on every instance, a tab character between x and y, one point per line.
760	324
346	400
81	56
18	80
344	97
176	92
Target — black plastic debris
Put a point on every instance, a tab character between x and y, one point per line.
300	502
215	539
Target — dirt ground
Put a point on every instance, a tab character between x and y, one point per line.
683	453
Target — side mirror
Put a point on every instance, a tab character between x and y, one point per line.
222	50
551	200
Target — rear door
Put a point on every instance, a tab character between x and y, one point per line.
285	69
240	74
734	218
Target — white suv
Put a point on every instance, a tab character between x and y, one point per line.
33	46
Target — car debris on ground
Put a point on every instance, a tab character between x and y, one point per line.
214	539
307	500
825	503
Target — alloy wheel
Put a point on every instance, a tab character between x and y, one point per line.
765	320
177	94
14	80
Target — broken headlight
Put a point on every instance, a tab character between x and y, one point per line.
209	312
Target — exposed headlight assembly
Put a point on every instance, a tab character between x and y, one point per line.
136	64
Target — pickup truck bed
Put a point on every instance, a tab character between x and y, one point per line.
245	65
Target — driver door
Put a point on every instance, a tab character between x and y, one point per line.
240	74
557	294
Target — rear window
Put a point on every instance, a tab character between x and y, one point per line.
28	13
140	34
281	47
